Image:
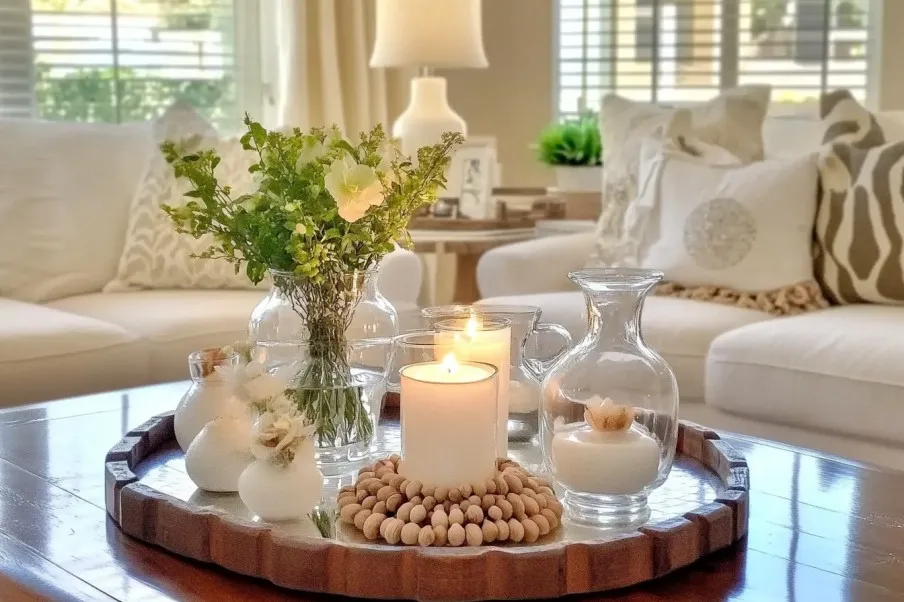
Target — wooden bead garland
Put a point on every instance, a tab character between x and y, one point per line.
512	506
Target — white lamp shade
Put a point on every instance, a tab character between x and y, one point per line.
429	33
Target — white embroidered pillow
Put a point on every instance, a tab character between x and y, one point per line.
733	121
155	256
742	227
642	222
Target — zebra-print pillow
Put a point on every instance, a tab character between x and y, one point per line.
859	230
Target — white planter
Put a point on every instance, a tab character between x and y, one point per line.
203	402
277	493
220	453
579	179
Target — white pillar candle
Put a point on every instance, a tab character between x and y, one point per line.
448	421
604	462
489	342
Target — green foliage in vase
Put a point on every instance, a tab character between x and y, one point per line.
325	521
323	207
575	142
325	211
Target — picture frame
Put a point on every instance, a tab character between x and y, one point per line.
472	177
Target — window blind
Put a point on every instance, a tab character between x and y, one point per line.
680	51
16	75
117	60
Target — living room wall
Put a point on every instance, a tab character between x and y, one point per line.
887	92
512	99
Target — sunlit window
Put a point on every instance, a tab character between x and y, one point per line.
118	60
677	51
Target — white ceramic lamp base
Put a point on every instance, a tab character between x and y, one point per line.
427	116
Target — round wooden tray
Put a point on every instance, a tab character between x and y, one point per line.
701	508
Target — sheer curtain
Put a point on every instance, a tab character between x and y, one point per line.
324	77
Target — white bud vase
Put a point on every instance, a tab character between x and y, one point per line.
218	455
280	493
208	397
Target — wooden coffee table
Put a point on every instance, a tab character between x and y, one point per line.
820	528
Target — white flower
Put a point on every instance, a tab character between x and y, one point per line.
311	150
241	348
280	404
278	435
252	384
261	385
354	187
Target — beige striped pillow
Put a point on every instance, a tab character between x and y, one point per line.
859	230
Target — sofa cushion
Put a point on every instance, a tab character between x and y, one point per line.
681	330
798	134
65	190
155	255
859	223
791	136
173	322
747	228
836	370
47	353
733	120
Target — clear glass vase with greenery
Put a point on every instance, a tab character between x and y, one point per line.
324	213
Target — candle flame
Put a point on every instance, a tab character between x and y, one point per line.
472	326
450	363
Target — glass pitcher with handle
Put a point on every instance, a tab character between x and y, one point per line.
530	356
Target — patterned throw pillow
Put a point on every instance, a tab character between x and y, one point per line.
729	232
733	121
155	256
859	231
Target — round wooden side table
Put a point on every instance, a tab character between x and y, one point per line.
466	240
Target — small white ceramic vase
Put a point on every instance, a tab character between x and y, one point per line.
208	397
277	493
218	455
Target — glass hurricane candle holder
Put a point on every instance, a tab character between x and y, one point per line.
532	354
410	348
609	407
486	340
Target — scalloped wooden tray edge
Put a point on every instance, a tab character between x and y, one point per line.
380	571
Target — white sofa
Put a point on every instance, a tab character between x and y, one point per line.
63	216
832	380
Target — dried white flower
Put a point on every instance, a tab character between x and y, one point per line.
240	348
254	385
606	415
278	435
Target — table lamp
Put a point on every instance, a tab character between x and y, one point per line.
428	34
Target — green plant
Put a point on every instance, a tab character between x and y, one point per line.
325	210
572	142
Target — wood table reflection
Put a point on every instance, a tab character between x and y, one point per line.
820	528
